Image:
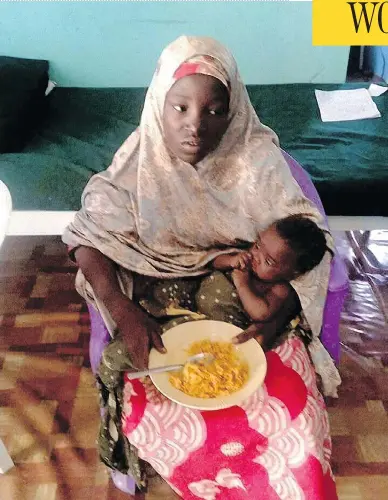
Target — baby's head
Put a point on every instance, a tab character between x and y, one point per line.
289	248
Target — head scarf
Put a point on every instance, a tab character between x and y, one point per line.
203	65
154	214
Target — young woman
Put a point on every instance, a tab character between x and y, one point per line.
199	178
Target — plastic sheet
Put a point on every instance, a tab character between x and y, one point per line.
364	319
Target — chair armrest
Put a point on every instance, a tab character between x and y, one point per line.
339	280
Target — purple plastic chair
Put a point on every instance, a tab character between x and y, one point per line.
338	280
99	338
337	290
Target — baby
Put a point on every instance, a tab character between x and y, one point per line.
284	251
248	287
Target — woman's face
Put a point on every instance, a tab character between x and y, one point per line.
195	117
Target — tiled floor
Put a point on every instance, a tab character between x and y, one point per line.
48	402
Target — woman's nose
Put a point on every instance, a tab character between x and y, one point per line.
194	123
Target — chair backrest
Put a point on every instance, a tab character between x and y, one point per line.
338	280
305	182
338	274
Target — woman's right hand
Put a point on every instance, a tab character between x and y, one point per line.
139	332
144	334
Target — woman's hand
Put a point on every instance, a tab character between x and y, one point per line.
138	330
140	334
263	333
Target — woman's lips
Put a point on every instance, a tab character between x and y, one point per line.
192	145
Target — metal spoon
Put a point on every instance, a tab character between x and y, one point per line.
203	357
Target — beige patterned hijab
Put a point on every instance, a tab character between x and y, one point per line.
156	215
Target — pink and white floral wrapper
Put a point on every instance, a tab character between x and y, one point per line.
275	445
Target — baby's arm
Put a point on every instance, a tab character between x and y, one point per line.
232	261
260	308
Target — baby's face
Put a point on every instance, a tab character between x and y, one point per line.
272	258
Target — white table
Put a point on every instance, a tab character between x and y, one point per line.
5	210
39	223
6	462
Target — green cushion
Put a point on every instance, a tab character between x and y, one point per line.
346	160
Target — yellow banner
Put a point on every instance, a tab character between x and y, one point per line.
342	22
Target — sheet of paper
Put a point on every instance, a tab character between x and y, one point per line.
376	90
345	105
51	86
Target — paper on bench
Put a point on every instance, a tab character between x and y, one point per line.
344	105
376	90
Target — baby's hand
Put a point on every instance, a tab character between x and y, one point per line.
240	278
242	261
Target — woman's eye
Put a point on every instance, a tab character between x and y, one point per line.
215	112
269	262
179	108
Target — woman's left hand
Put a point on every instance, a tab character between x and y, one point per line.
263	333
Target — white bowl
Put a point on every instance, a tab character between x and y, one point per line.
178	339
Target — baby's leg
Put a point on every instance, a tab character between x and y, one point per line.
217	298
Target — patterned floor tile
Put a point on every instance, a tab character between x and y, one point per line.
48	398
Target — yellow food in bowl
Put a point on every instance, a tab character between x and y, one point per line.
226	374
